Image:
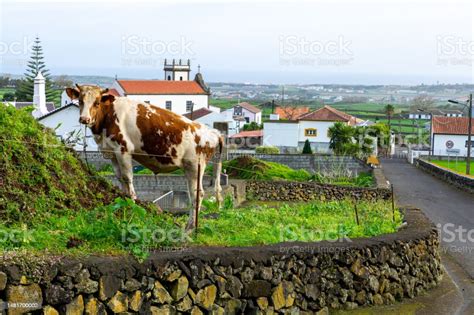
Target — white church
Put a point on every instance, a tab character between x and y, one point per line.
176	92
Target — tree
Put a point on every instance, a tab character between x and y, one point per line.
252	126
36	64
307	148
422	102
9	96
341	138
389	111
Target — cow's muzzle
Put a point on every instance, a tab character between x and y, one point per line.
85	120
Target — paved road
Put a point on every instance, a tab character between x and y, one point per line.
449	207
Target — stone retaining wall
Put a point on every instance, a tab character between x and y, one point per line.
460	181
306	191
286	278
314	163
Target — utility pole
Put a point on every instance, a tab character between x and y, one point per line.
469	135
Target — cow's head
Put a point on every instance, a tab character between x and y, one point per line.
90	98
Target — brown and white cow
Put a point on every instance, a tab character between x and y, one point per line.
156	138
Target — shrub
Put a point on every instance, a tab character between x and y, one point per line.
307	148
267	150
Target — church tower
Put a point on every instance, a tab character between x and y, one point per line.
177	70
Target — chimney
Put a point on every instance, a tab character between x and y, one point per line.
39	96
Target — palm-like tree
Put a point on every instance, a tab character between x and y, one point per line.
389	111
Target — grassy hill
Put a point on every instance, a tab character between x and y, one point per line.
39	175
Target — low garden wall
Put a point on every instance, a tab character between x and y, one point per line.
306	191
284	278
460	181
313	163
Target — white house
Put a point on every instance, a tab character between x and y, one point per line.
290	135
176	93
249	112
209	117
65	123
449	135
436	112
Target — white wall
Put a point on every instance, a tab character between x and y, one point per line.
322	131
69	120
459	143
210	119
280	134
178	101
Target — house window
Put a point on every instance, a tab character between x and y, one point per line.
189	106
169	78
147	102
311	132
168	105
180	78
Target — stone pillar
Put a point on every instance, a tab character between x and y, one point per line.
39	96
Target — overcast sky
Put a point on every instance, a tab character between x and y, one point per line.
365	42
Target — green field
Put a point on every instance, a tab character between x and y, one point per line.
455	165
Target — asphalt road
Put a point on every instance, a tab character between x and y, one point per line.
442	203
448	207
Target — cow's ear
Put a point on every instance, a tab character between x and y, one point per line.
107	98
72	93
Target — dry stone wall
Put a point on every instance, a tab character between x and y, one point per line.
287	278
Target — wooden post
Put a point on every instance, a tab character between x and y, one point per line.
356	213
198	188
393	203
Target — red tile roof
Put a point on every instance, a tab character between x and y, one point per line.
161	87
327	113
248	134
291	112
201	112
451	125
250	107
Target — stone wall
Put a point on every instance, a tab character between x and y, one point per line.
286	278
314	163
460	181
306	191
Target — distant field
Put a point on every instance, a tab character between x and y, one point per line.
366	107
458	166
224	104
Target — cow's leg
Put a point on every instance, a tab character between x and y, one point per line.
116	167
191	172
126	171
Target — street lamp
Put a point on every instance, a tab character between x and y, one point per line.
469	131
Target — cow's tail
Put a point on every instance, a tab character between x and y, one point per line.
218	170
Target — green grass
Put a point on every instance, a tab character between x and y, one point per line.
458	166
307	222
254	169
124	226
39	175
